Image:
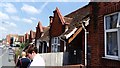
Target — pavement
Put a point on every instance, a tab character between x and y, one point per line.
6	58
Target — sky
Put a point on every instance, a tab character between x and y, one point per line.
21	17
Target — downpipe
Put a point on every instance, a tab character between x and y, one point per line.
85	44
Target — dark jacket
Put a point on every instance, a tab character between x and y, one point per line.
23	62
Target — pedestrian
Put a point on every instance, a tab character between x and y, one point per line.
23	62
37	59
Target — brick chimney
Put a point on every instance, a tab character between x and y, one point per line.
51	19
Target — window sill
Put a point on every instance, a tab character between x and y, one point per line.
111	58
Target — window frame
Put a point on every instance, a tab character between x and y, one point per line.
117	29
55	41
118	24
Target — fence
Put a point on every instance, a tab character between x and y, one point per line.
58	60
55	59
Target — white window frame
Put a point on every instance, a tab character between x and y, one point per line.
55	44
118	24
117	29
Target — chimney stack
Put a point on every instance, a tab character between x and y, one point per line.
51	19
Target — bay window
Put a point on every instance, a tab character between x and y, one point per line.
112	35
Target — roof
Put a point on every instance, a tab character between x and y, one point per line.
26	36
45	35
60	15
64	20
85	10
68	20
39	30
75	26
32	34
40	26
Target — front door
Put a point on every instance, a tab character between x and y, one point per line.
75	56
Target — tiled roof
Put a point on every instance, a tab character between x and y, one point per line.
64	20
32	34
45	36
26	36
60	15
77	16
39	30
68	20
40	26
83	11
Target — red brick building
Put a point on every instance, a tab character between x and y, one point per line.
101	20
104	34
103	38
39	31
74	36
42	38
26	38
58	25
32	36
21	39
11	38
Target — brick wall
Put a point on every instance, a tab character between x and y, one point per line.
56	26
56	29
21	39
96	33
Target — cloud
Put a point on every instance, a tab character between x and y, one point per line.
29	9
33	18
8	24
13	24
2	29
42	7
9	7
27	21
8	28
16	18
4	16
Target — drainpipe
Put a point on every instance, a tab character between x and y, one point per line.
64	43
85	44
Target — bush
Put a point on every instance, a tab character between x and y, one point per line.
22	45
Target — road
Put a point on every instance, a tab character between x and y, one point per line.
6	59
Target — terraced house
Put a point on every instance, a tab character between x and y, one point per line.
89	35
42	38
66	33
102	39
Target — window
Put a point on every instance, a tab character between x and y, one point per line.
55	47
112	45
112	35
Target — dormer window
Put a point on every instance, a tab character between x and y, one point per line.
112	35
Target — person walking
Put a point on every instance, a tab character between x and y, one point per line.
37	59
23	62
